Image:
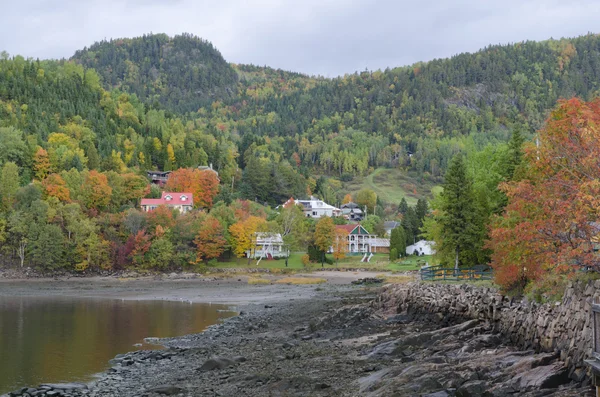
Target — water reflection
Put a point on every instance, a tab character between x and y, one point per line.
60	339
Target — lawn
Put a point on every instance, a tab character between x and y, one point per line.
391	185
379	262
410	263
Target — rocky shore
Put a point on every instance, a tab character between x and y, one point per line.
340	342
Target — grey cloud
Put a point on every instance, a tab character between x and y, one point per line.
327	37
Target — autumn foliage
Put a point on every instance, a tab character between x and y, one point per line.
210	241
55	186
203	184
551	218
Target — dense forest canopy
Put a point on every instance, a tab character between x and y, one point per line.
181	73
429	110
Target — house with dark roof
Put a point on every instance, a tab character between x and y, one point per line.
158	177
352	212
183	202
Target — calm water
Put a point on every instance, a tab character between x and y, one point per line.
45	340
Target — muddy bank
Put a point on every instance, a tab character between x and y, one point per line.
336	342
188	287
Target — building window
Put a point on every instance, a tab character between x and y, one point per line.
314	213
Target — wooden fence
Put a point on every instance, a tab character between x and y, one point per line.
439	273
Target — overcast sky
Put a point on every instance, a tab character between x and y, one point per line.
326	37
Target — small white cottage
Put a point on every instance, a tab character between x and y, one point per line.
267	245
422	247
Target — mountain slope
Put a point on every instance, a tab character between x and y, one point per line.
182	73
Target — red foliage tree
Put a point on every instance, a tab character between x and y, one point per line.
551	218
203	184
210	241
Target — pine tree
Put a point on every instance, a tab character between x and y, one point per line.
397	243
403	207
515	152
460	222
410	224
421	211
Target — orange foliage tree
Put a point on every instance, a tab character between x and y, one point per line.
96	190
552	214
210	240
41	164
340	244
203	184
55	186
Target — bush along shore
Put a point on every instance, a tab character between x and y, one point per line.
406	340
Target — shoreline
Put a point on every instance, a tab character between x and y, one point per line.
232	289
329	340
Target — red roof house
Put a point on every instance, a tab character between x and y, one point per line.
183	202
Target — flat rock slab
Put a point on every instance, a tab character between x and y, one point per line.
64	386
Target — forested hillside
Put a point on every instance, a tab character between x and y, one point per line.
371	119
181	73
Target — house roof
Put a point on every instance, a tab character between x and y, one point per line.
350	205
353	229
389	225
171	199
380	242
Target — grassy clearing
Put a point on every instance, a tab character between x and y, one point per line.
258	281
300	280
391	185
379	261
410	263
294	262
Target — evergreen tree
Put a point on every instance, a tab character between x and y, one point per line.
515	153
460	222
421	211
403	207
410	224
397	243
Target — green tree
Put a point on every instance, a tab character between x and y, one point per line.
368	198
410	224
9	184
397	243
403	207
515	153
459	219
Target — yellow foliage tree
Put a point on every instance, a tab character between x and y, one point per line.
242	234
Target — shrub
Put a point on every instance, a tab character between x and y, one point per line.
305	260
393	254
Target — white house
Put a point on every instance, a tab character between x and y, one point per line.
422	247
267	245
359	240
314	208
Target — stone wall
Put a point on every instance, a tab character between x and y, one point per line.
564	327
